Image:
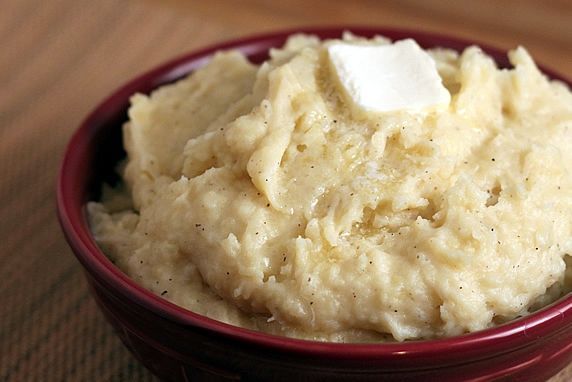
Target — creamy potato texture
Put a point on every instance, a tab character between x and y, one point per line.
257	198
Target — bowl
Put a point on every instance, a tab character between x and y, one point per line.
176	344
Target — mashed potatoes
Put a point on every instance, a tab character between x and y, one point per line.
256	197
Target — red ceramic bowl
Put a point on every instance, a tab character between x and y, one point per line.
177	344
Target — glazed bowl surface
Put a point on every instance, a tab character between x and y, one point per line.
176	344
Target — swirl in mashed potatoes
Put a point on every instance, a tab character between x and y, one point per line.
256	197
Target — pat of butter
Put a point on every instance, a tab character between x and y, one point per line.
383	78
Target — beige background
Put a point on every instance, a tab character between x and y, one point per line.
58	58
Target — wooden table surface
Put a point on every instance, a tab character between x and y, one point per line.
58	58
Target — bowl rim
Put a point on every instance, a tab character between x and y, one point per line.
548	321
